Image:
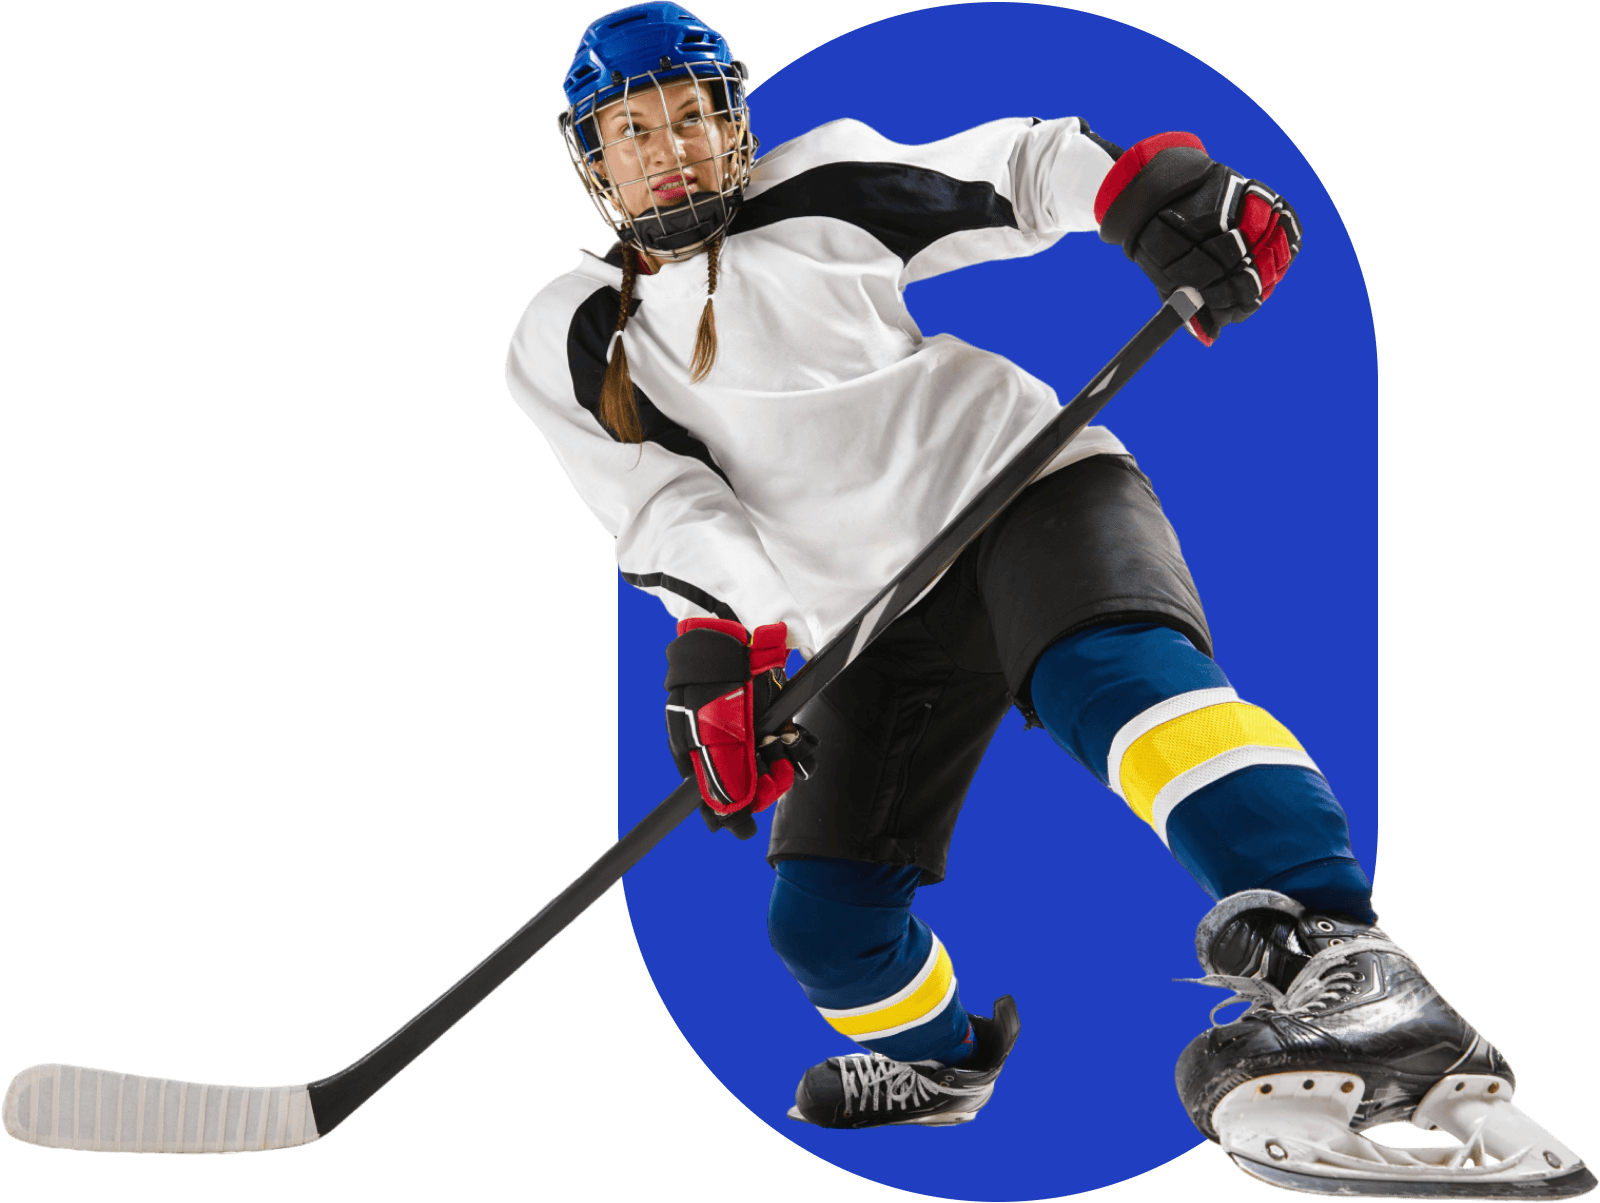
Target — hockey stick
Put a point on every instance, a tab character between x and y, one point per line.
64	1106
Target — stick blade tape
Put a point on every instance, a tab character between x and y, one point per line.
68	1107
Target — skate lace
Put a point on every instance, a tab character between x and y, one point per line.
1328	977
871	1077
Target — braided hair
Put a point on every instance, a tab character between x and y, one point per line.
705	334
619	408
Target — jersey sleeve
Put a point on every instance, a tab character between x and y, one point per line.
680	532
997	191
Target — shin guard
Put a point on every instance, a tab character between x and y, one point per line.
872	969
1224	784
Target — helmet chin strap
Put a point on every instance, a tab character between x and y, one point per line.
683	231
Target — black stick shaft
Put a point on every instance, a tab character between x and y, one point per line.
983	509
334	1098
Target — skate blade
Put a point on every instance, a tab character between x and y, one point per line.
1294	1130
1579	1182
926	1121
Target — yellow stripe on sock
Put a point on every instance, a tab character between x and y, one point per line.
927	995
1175	747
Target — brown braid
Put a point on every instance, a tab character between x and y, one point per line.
619	409
705	335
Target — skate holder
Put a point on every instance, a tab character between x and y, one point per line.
1478	1107
1281	1118
1294	1130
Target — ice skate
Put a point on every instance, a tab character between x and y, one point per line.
866	1090
1343	1032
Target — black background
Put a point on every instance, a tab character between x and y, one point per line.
314	642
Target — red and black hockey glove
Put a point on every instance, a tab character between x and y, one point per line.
1191	222
719	677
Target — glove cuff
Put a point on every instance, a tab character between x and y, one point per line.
1149	175
726	626
708	655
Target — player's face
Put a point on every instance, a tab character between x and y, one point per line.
662	143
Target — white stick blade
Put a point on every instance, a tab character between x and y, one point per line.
68	1107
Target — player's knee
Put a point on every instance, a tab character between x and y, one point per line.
827	917
1088	686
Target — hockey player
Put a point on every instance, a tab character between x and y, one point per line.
739	393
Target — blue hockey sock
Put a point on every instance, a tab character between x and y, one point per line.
845	931
1223	783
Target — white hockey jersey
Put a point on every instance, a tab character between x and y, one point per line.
831	440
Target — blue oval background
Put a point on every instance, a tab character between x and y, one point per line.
1264	451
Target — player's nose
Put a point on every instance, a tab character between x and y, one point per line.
664	149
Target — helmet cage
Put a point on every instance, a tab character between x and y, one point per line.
682	230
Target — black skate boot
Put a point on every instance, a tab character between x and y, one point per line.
865	1090
1343	1032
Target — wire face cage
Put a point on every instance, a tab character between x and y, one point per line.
665	154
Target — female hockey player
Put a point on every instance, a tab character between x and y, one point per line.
740	394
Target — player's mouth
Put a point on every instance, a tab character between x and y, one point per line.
671	189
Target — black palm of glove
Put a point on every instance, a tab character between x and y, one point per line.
1189	222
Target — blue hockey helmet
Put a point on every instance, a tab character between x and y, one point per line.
657	39
646	46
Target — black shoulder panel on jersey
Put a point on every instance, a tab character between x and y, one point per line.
905	208
660	580
588	338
